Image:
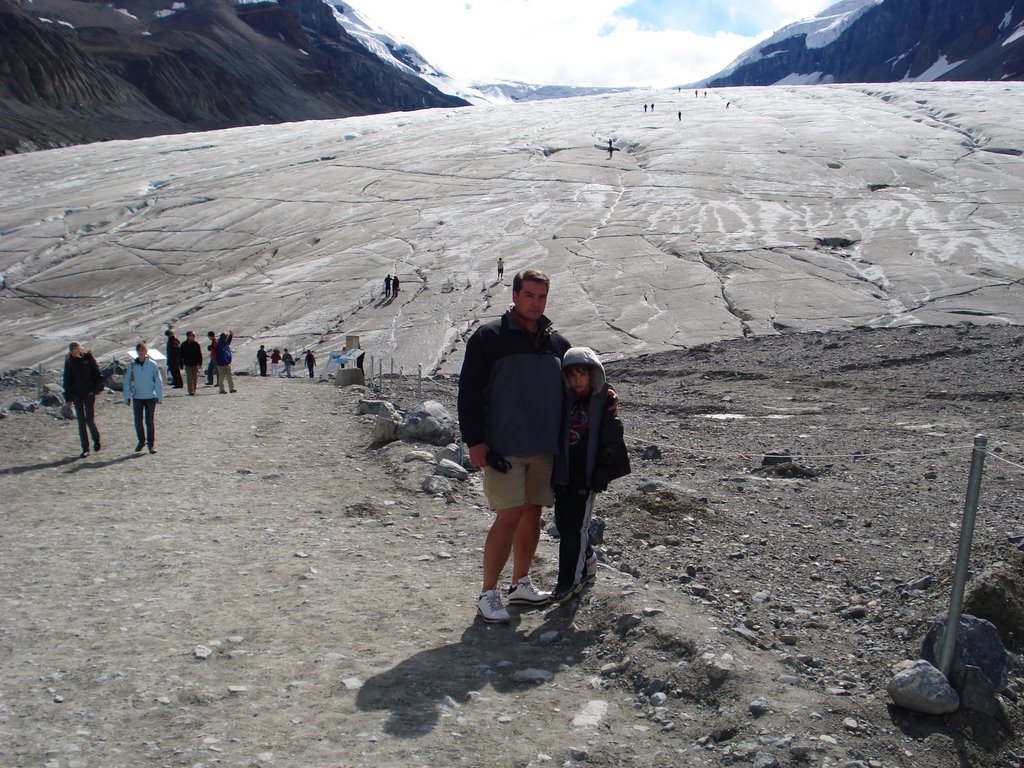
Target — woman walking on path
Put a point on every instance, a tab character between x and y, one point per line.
310	362
143	389
82	382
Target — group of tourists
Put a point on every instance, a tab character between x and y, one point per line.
541	422
143	386
537	414
391	286
275	358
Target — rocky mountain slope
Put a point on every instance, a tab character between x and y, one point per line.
74	71
880	41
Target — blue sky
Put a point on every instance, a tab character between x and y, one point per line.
656	43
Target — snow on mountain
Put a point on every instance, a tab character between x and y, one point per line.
400	54
884	41
821	30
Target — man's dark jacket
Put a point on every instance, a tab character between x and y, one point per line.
510	388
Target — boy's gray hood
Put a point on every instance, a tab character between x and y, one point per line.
586	356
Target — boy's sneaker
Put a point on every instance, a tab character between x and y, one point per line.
523	593
561	595
590	569
490	608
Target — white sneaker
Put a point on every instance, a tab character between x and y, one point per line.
590	569
523	593
490	608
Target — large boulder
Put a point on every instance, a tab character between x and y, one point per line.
922	688
348	377
977	645
427	422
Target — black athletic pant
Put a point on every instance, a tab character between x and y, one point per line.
573	509
85	410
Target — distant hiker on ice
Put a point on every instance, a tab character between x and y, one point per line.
310	362
275	363
387	287
394	286
680	115
501	267
645	108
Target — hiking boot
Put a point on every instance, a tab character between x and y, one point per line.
590	570
523	593
139	447
490	608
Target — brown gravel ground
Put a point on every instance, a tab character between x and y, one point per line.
335	599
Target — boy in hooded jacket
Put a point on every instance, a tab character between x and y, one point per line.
592	454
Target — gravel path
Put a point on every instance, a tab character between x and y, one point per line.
267	590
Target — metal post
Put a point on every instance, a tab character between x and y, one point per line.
963	556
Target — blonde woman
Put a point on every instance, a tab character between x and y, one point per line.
82	382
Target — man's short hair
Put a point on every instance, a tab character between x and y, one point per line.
534	275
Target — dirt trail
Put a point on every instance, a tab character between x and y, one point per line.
333	600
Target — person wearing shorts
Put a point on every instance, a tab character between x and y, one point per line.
510	404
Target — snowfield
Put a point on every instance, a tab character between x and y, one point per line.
747	211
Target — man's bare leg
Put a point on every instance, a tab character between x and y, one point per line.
500	540
524	543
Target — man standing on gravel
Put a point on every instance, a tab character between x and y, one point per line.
192	358
143	389
510	404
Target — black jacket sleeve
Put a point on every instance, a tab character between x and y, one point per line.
472	400
612	456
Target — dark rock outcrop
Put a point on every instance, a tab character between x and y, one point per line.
74	72
898	40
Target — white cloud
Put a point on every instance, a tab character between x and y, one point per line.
570	42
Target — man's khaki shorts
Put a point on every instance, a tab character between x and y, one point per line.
528	481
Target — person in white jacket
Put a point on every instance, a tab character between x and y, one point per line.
143	389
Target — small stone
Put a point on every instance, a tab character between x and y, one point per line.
851	725
627	622
759	706
202	652
765	760
237	689
352	683
653	611
579	754
659	699
532	675
830	740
